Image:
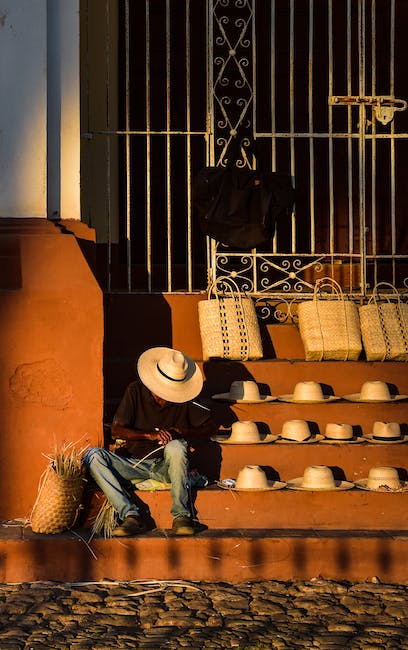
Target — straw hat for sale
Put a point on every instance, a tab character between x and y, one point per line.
386	433
244	392
244	432
297	431
251	478
382	479
318	478
374	391
170	374
307	392
340	434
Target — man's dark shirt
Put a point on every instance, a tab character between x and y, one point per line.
139	410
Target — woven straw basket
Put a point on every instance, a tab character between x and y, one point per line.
329	328
384	326
58	502
229	325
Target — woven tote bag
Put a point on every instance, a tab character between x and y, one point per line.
229	325
329	325
58	502
384	326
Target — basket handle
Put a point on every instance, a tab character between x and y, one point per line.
336	289
377	297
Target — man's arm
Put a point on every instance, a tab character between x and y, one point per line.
123	432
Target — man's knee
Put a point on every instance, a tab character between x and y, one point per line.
175	450
94	454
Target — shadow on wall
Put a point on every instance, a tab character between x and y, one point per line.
133	323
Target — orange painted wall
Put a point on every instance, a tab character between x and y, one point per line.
51	338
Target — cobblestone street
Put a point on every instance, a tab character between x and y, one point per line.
251	616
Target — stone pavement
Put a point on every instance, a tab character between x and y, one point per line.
248	616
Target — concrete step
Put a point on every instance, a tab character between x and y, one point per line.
231	555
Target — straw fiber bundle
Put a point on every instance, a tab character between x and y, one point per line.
329	328
229	325
384	326
60	492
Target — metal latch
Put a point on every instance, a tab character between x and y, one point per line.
383	107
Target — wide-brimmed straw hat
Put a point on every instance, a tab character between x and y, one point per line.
340	434
318	478
297	431
244	432
251	478
382	479
386	433
307	392
244	392
374	391
170	374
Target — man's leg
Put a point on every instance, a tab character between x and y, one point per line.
174	468
110	472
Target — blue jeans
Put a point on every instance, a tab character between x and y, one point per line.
110	472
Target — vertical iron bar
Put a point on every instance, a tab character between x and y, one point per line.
392	142
311	140
292	111
210	127
127	108
330	126
188	151
148	152
373	141
350	147
273	100
108	145
168	146
362	118
254	120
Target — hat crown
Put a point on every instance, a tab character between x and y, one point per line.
375	390
308	390
251	477
173	366
383	477
319	477
297	430
339	431
386	430
244	430
247	390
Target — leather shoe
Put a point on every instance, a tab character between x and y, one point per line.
183	526
129	527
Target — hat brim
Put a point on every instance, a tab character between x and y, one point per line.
168	389
375	441
362	484
289	398
355	397
349	441
296	484
272	485
317	438
269	438
226	397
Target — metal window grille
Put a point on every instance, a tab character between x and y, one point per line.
319	84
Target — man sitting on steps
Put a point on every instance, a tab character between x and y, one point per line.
155	417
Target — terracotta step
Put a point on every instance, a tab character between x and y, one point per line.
286	461
285	508
224	555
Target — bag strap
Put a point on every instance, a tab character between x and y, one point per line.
337	292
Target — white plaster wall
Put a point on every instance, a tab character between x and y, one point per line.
39	109
23	102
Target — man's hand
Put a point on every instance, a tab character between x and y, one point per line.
162	435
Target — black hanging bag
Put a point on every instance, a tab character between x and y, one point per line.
240	207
